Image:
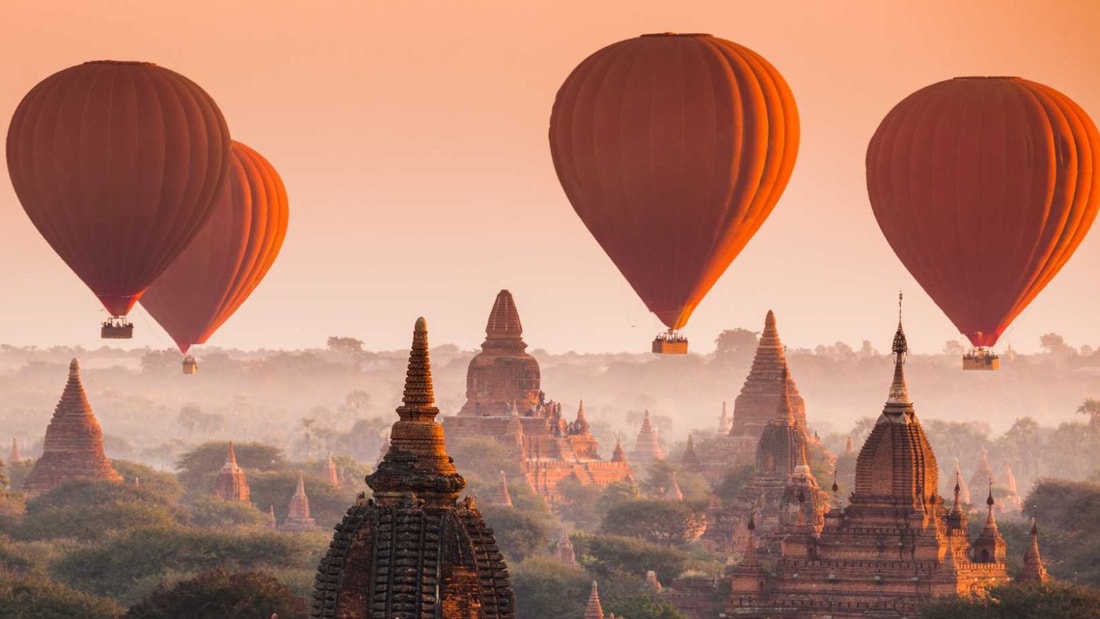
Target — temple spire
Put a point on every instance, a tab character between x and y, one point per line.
724	421
1034	570
898	402
784	411
673	492
417	461
581	426
14	457
331	476
690	460
618	455
594	610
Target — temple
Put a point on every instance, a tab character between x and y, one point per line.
331	475
1034	570
298	519
414	550
647	448
231	484
505	401
754	407
781	494
593	610
892	547
499	496
73	448
14	457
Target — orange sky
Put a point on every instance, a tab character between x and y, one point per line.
412	138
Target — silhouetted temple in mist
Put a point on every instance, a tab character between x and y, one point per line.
505	401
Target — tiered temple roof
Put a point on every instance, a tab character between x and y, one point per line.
231	483
754	407
781	494
504	401
73	448
414	550
593	610
297	517
893	547
502	375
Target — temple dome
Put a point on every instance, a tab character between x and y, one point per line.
502	375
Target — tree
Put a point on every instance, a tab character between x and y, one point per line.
954	348
1054	344
666	523
732	482
735	344
221	594
1020	601
212	513
606	556
117	567
30	597
518	535
88	510
547	588
344	344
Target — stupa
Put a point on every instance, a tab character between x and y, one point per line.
414	550
298	519
73	448
647	448
231	483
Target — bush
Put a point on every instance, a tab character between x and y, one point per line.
23	597
221	594
213	513
88	510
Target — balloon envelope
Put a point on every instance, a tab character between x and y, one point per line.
228	257
984	187
673	150
117	164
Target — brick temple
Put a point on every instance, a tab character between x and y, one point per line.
298	519
894	545
781	493
231	483
73	448
505	401
414	549
754	407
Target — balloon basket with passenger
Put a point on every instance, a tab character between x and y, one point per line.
670	343
981	359
116	328
190	365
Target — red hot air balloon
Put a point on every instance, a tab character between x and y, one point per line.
673	149
117	164
227	258
984	187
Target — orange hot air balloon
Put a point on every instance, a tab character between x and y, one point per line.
984	187
673	149
229	256
117	164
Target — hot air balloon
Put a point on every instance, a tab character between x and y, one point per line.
984	187
673	149
226	260
117	164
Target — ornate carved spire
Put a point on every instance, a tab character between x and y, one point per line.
898	402
594	610
417	461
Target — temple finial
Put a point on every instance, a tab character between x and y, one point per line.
419	395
